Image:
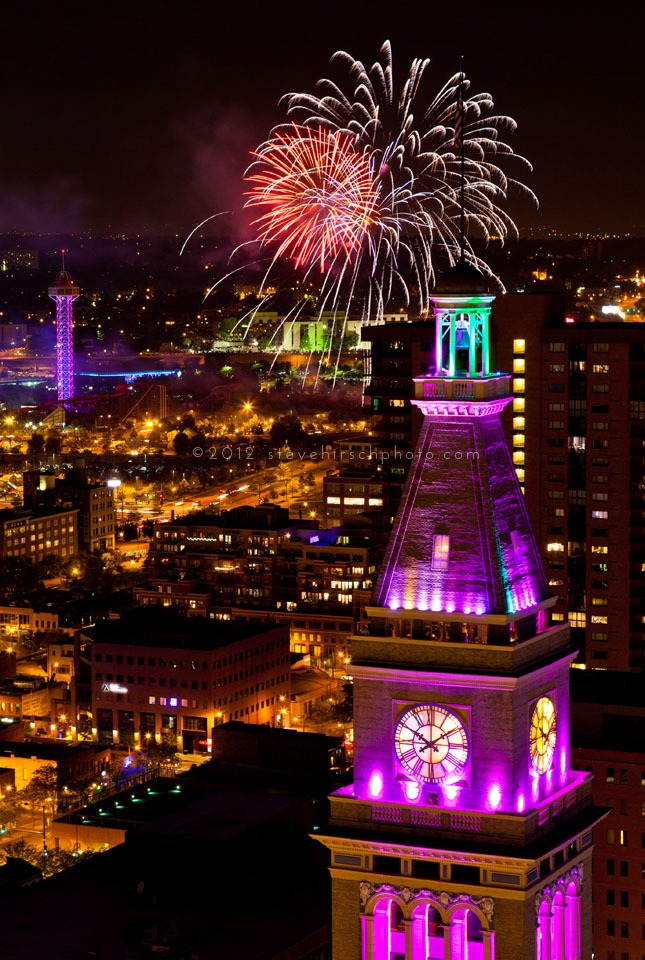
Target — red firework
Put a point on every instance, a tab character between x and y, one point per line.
318	194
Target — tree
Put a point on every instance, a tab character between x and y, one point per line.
55	861
40	792
18	577
162	753
182	444
36	445
344	710
42	787
10	810
287	429
52	444
187	422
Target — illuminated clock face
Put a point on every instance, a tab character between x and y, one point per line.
542	735
431	743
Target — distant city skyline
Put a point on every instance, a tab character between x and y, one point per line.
141	118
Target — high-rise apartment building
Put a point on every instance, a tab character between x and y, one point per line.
577	434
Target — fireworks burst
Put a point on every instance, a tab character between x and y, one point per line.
322	201
368	187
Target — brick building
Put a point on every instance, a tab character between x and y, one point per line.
253	564
33	534
94	502
577	433
608	740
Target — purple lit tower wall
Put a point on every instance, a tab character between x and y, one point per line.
63	292
463	567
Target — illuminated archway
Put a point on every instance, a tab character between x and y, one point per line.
558	919
399	923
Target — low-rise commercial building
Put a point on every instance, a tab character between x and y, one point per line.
156	674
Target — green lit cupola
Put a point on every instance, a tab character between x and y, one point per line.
462	302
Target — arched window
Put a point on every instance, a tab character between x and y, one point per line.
466	935
558	928
572	923
428	933
388	933
543	931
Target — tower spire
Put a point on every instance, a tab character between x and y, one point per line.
460	111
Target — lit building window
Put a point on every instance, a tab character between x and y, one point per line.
518	405
518	439
519	346
518	423
577	444
518	456
440	551
519	385
518	365
555	547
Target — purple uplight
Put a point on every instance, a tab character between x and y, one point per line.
494	796
411	790
375	788
520	803
451	793
563	767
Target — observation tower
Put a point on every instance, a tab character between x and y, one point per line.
64	291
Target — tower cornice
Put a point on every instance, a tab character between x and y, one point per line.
441	678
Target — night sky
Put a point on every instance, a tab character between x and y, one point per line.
140	116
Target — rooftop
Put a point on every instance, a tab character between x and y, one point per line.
34	513
43	749
156	626
607	687
264	517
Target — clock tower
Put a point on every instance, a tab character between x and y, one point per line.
465	834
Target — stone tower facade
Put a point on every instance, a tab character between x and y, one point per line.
465	834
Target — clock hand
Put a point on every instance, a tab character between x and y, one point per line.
421	737
430	744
